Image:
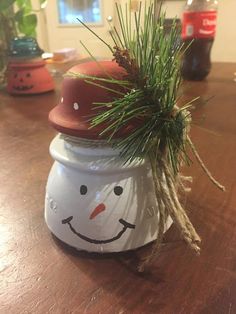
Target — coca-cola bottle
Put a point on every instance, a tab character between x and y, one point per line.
198	32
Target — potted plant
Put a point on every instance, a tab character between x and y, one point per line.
17	18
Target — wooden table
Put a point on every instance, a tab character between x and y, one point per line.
38	275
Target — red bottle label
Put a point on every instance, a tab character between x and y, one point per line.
199	24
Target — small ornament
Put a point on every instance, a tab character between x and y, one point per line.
26	72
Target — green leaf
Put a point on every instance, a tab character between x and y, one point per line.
25	4
27	25
4	4
20	3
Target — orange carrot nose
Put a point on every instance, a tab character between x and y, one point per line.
100	208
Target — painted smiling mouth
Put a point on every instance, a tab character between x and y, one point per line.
125	224
23	88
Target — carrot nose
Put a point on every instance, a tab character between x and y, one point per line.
100	208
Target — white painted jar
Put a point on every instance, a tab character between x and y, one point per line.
95	202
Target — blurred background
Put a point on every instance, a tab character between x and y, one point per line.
54	23
58	27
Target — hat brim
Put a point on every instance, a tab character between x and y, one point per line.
69	124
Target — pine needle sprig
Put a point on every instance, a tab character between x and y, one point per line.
151	60
148	104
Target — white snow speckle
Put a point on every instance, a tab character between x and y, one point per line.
76	106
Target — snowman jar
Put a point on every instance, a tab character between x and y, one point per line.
94	201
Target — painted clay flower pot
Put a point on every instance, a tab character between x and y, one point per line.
27	73
28	77
95	202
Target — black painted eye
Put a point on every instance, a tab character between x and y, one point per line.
83	189
28	75
15	76
118	190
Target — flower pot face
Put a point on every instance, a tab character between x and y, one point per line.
28	78
97	204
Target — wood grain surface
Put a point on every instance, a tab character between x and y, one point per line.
39	275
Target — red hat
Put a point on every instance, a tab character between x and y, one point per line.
73	114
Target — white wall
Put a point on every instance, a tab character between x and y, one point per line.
42	26
224	48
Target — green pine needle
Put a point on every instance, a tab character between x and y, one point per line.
149	103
